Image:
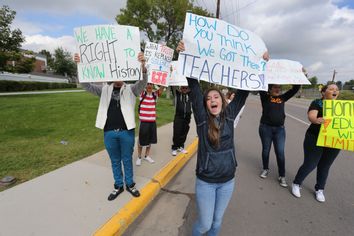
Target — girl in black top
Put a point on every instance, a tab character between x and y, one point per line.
271	128
316	156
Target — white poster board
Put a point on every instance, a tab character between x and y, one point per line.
222	53
176	79
158	60
108	53
281	71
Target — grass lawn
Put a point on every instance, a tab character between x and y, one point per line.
32	126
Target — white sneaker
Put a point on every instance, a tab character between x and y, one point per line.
184	151
295	190
149	159
264	174
174	152
282	182
138	162
320	196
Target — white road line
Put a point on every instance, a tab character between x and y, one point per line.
295	118
296	105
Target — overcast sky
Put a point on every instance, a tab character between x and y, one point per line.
318	33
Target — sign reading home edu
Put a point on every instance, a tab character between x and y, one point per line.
337	131
108	53
158	60
281	71
222	53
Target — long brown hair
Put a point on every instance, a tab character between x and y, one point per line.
213	129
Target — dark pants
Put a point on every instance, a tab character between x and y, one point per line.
180	131
315	156
275	134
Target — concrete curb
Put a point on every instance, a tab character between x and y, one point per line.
128	213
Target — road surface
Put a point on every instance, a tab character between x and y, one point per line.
261	206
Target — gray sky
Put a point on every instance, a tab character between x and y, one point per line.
318	33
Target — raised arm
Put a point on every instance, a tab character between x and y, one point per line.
290	93
95	89
237	103
263	95
196	96
139	86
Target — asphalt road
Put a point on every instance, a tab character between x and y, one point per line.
261	206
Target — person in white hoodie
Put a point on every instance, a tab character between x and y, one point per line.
116	116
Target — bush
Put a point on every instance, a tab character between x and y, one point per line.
346	95
15	86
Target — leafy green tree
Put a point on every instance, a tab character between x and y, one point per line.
10	40
160	20
50	59
63	63
349	85
25	65
339	84
314	82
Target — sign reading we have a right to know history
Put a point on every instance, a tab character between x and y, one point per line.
222	53
108	53
337	131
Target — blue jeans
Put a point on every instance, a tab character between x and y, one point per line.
316	156
275	134
212	200
120	147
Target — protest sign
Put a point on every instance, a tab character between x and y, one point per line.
158	60
222	53
108	53
176	79
337	131
281	71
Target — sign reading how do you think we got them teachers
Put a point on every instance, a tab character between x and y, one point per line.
222	53
108	53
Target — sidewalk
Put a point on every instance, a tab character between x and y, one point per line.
72	200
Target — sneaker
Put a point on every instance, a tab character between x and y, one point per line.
282	182
138	161
295	190
264	174
133	190
149	159
114	194
320	196
184	151
174	152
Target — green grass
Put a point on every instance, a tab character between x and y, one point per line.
32	126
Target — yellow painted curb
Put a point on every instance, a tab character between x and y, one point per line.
125	216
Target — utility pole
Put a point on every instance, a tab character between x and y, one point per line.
218	9
334	75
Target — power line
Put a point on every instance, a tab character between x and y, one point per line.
241	8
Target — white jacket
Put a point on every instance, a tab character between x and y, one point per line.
128	94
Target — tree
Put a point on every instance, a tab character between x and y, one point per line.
160	20
50	59
25	65
313	80
349	85
10	40
339	84
63	63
